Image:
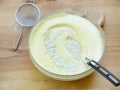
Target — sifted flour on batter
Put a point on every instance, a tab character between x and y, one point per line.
58	43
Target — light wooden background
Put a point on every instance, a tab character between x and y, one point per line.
16	69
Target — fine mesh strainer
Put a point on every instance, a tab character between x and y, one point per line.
26	15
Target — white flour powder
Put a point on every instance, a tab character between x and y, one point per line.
71	45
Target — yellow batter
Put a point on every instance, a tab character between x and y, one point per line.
59	42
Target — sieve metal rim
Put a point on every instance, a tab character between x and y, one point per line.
17	10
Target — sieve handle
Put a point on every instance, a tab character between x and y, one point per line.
18	41
104	72
30	1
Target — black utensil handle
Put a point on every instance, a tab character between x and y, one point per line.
104	72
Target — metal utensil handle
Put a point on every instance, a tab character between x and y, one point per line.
30	1
18	41
104	72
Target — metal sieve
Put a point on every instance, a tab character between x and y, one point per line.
26	15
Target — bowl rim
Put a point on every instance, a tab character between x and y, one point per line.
73	13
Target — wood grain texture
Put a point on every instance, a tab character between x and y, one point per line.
16	69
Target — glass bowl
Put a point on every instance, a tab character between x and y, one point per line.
68	77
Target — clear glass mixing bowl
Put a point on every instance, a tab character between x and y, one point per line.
69	77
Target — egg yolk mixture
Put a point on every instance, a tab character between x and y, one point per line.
58	43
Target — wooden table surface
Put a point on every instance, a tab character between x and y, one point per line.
16	69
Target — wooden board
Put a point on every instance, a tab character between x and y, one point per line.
16	69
